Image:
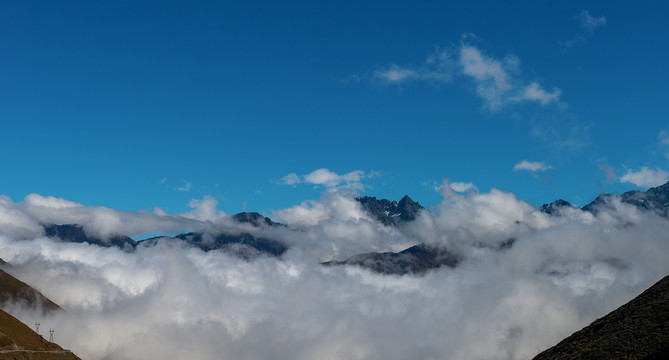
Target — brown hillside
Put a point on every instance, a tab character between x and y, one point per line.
19	342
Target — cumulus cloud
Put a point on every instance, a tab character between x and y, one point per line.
329	179
533	166
171	302
497	81
645	177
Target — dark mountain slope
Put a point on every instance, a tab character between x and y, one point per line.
417	259
636	330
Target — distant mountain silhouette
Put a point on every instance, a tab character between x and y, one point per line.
76	234
242	244
655	199
417	259
555	207
636	330
391	212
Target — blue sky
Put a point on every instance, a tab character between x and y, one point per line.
264	105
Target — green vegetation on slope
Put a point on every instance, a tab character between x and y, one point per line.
636	330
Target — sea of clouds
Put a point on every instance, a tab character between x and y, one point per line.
171	301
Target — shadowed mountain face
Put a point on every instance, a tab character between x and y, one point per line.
244	245
254	219
417	259
76	234
391	212
636	330
655	199
555	207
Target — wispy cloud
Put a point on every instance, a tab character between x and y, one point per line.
186	185
645	177
609	172
497	81
533	166
439	67
589	24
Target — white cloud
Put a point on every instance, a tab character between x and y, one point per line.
325	177
50	202
646	177
328	178
536	93
462	187
533	166
491	78
170	302
590	23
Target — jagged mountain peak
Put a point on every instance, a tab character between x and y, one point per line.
391	212
555	206
254	218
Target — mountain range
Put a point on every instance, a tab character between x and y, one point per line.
416	259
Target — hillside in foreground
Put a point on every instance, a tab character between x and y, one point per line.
19	342
636	330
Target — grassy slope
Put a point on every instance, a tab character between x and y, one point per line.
636	330
18	341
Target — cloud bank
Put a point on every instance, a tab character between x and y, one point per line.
172	302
